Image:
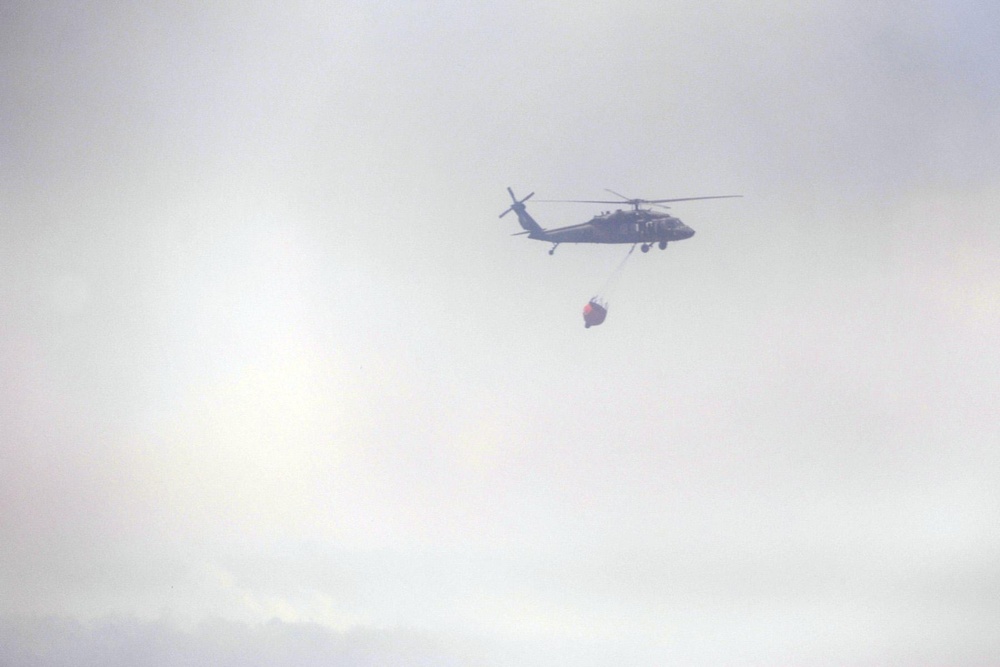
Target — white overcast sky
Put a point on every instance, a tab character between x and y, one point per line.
278	387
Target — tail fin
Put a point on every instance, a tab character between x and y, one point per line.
527	222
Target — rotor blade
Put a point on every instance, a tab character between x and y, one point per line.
664	201
514	198
618	194
630	201
578	201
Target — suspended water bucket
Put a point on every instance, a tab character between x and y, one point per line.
594	313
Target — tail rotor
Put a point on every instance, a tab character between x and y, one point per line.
518	205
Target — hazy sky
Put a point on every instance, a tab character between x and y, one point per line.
278	387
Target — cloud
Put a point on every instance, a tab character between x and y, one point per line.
125	641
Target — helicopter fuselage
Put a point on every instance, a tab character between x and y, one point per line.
640	226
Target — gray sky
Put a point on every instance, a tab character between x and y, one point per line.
276	378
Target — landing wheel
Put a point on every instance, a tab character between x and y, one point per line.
663	245
644	247
552	250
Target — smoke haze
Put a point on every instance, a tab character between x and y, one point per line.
279	387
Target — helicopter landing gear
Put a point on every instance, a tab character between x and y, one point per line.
552	250
644	247
663	245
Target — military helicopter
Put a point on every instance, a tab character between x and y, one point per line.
640	225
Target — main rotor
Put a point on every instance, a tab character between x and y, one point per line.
635	203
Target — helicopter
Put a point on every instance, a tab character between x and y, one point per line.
639	225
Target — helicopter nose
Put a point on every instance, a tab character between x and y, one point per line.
686	232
